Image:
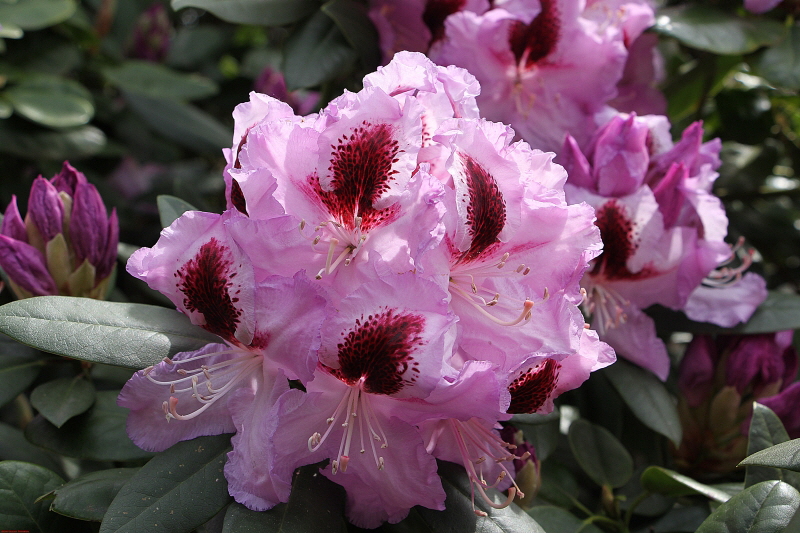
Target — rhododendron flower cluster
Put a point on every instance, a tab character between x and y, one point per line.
663	233
408	267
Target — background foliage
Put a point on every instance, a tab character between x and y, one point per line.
148	116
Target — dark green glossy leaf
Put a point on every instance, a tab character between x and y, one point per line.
42	143
51	101
784	455
178	490
15	447
16	374
159	82
264	12
182	123
780	64
763	508
647	397
459	515
669	483
171	207
36	14
717	30
315	504
98	434
89	496
766	430
20	485
61	399
681	520
10	31
133	335
600	454
352	19
315	53
557	520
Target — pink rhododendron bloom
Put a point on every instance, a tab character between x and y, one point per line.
663	232
545	67
644	69
444	269
760	6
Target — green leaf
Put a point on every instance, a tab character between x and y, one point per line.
681	519
16	374
5	109
89	496
182	123
20	485
669	483
170	208
315	504
261	12
61	399
36	14
766	430
41	143
51	101
717	30
133	335
780	64
10	31
159	82
98	434
557	520
763	508
178	490
647	397
15	447
353	21
600	454
784	455
315	53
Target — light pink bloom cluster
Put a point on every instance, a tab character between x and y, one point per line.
411	269
548	66
663	233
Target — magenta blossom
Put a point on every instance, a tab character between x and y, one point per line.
662	229
67	243
545	67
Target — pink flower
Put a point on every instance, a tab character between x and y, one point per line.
663	232
545	69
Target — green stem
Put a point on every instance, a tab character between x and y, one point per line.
639	499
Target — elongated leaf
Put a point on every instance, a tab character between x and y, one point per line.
15	447
171	207
63	398
600	454
20	485
763	508
317	52
780	64
353	21
647	397
315	504
36	14
669	483
182	123
52	101
681	519
766	430
89	496
785	455
16	374
717	30
264	12
43	143
178	490
157	81
98	434
557	520
122	334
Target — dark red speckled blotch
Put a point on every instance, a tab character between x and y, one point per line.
539	38
206	284
486	211
361	171
237	198
531	389
379	348
616	231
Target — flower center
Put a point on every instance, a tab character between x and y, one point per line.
531	389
